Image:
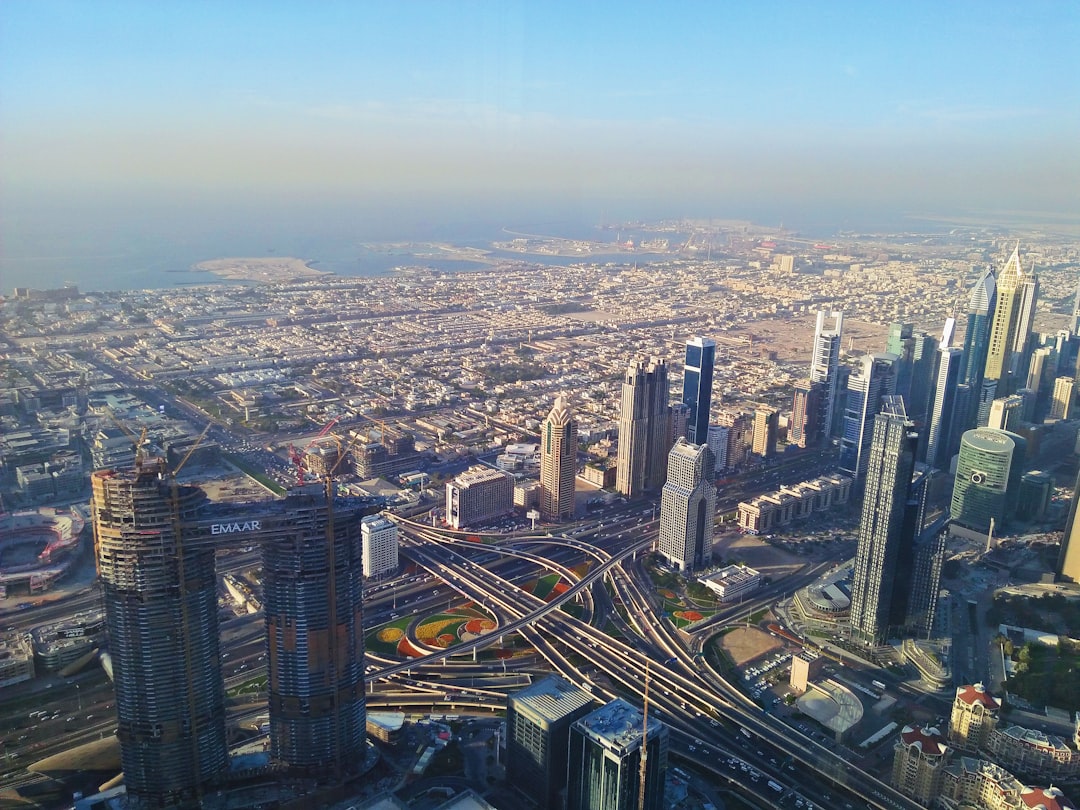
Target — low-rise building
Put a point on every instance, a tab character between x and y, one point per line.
733	582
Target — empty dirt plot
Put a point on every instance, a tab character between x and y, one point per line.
745	644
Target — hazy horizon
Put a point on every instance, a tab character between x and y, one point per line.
189	122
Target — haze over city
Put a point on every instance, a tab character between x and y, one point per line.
176	125
539	407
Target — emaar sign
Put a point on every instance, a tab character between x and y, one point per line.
234	528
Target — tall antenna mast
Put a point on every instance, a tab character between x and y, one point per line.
644	743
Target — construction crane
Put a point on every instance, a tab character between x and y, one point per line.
644	743
297	456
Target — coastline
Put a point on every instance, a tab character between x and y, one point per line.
263	270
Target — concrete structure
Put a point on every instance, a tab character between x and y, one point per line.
765	427
643	428
807	414
806	666
558	463
1006	413
697	387
919	759
718	443
824	365
974	716
1061	404
988	474
478	494
1035	754
605	760
733	582
170	696
155	545
887	592
776	509
538	720
380	541
867	388
976	783
688	507
16	659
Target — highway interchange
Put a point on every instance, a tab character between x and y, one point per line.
703	710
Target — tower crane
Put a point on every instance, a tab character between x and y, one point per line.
297	456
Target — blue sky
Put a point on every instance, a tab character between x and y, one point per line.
693	106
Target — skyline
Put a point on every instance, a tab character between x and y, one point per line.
178	119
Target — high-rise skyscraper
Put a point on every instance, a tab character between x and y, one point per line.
1074	321
1011	291
697	386
643	428
1006	413
163	635
942	416
889	531
605	760
1061	405
765	427
313	588
824	365
1068	566
380	540
155	544
988	473
538	720
980	319
688	507
806	414
1023	342
943	404
558	462
873	380
718	443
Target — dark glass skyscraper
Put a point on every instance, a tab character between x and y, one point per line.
980	315
891	523
866	388
605	760
538	720
644	437
697	387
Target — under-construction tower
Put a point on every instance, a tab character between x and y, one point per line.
312	593
161	613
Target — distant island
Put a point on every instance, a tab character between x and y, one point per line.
269	270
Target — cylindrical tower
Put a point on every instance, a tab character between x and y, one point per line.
312	599
161	613
988	474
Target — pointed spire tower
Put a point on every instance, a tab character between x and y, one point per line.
558	462
1010	284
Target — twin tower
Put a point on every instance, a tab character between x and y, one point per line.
155	542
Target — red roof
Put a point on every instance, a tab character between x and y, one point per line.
1045	798
977	693
928	739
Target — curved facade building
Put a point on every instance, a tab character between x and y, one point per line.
558	462
988	474
312	598
161	613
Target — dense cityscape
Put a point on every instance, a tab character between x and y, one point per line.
687	514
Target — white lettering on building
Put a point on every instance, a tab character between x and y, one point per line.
232	528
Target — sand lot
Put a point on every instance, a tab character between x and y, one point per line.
744	644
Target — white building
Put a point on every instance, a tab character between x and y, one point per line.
380	539
733	582
478	494
688	507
